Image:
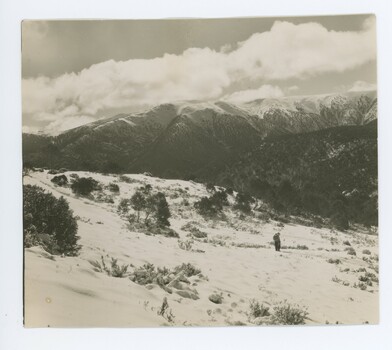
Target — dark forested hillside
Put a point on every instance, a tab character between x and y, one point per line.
332	172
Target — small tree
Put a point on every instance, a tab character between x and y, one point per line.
243	202
157	206
154	205
162	210
138	203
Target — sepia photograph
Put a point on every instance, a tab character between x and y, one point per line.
200	172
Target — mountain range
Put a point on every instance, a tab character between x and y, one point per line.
192	138
303	155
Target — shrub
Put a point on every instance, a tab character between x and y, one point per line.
257	309
163	231
350	251
208	207
334	261
287	314
365	279
145	274
49	222
360	285
346	243
148	274
195	232
161	208
220	198
151	204
188	269
83	186
198	234
60	180
126	179
113	269
113	187
366	251
371	276
123	206
185	245
243	202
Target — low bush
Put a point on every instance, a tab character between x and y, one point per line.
360	285
248	245
83	186
149	274
366	252
334	261
365	279
113	187
195	232
243	202
208	207
112	269
346	243
350	251
302	247
123	206
127	179
185	245
287	314
188	269
161	230
60	180
257	309
48	221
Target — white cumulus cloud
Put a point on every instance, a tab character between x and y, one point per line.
264	91
360	85
285	51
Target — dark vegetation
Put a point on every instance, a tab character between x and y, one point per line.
83	186
331	173
152	212
48	222
213	205
60	180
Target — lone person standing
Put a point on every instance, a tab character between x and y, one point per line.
277	241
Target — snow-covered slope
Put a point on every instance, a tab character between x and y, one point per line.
237	262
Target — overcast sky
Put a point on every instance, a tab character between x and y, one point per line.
77	71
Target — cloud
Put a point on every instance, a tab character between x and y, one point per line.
263	91
293	88
360	85
65	123
286	51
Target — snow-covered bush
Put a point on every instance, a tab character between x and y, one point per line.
48	221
